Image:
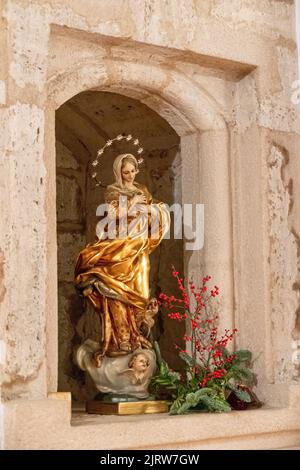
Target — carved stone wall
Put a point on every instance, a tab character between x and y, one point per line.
221	75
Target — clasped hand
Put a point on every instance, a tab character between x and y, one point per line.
139	199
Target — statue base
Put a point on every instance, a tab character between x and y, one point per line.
126	408
120	375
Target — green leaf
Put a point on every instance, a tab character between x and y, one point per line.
241	394
158	353
162	382
193	384
203	399
241	374
164	368
201	392
191	400
165	379
215	403
181	390
243	355
179	406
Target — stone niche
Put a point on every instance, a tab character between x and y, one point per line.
221	73
83	124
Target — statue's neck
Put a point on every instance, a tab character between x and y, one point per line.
130	186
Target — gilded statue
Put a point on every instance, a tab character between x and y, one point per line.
113	275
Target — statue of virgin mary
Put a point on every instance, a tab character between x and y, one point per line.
113	273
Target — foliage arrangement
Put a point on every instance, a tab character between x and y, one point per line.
212	372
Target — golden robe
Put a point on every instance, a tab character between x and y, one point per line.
115	272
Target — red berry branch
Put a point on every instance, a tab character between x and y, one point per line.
215	379
204	352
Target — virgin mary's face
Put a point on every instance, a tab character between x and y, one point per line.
128	173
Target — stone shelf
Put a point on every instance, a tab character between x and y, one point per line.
51	426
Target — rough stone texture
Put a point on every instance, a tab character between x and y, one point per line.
220	73
284	174
69	245
69	207
25	324
269	18
28	65
2	92
65	158
283	249
276	109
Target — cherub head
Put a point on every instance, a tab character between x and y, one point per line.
153	305
139	363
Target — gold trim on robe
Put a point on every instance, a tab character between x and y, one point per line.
117	271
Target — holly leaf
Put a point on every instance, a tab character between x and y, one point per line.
241	374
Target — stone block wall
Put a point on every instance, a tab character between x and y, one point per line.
220	73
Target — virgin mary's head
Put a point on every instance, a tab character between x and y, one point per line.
125	169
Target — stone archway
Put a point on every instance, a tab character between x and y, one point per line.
198	121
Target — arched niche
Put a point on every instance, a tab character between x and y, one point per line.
83	125
205	169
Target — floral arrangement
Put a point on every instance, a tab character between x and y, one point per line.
215	379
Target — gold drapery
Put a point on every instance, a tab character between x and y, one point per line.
117	270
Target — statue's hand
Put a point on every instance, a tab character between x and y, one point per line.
139	199
112	207
87	291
